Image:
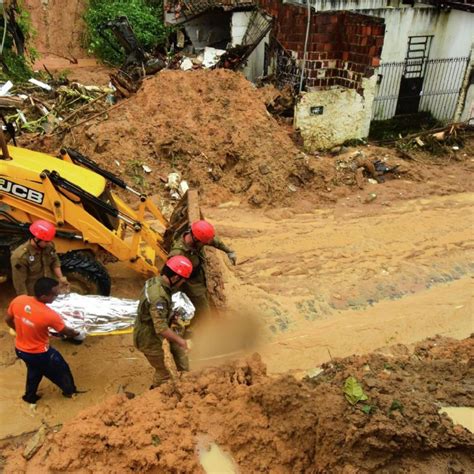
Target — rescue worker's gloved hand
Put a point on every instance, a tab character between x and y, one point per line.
232	257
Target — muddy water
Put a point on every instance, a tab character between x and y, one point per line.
214	461
463	416
323	283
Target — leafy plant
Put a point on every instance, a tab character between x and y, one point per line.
353	391
145	17
396	405
134	169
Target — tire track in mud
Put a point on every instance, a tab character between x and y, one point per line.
306	267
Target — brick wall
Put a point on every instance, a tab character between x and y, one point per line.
343	47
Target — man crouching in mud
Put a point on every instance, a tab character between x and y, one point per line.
152	324
30	318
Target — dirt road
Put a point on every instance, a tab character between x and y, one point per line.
325	283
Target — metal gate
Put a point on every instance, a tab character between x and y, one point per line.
401	90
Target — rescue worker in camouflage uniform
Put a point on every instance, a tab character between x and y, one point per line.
191	244
153	325
36	258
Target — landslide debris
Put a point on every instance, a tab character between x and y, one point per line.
281	424
212	126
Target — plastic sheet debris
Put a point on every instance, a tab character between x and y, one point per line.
177	187
6	87
96	314
186	64
212	56
41	84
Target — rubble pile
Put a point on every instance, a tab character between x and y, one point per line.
52	107
211	126
359	414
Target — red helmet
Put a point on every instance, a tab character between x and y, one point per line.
181	265
203	231
43	230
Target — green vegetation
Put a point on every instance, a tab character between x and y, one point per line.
16	57
145	17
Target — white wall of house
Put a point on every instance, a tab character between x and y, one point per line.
240	21
452	37
254	66
346	115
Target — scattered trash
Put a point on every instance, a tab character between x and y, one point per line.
55	107
292	188
212	56
6	88
353	391
372	181
41	84
440	136
371	197
314	373
419	141
186	64
183	188
455	148
146	169
35	443
177	187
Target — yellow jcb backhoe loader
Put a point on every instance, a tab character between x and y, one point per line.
94	225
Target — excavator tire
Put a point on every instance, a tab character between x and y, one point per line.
86	275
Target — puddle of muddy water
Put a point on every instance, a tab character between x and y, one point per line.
463	416
215	461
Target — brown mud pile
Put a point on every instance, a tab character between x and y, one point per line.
281	424
212	126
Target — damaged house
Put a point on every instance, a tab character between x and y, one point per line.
349	61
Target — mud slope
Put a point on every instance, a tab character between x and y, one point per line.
212	126
59	26
299	426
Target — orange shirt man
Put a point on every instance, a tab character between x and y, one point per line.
31	318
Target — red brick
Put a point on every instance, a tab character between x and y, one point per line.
375	62
372	51
328	47
379	41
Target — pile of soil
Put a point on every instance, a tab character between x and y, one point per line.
211	126
264	422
